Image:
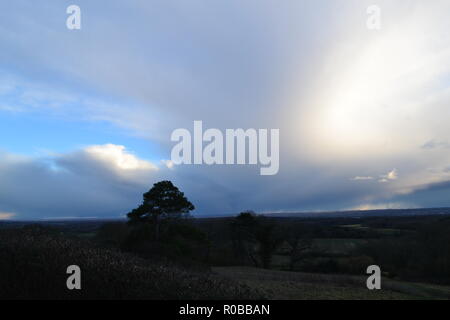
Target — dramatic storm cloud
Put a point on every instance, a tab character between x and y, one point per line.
86	115
95	181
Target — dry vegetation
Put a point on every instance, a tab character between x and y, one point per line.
33	264
285	285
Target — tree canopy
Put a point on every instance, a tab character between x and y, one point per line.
162	201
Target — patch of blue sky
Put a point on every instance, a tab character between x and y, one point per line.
36	133
45	117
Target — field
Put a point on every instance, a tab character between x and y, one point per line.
280	258
285	285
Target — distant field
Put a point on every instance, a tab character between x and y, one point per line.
384	231
286	285
337	246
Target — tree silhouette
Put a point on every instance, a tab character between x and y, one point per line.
242	234
255	237
163	201
268	239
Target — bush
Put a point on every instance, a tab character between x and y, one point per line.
33	265
424	255
113	234
354	265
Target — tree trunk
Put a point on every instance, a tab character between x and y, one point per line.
294	246
157	223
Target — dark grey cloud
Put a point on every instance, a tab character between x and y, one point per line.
107	181
432	195
73	185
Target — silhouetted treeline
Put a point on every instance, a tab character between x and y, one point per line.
420	255
415	247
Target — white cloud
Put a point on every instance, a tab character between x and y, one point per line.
168	163
391	175
118	158
362	178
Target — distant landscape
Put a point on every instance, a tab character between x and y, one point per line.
225	150
307	256
364	213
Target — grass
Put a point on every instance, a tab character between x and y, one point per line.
337	246
33	265
287	285
354	226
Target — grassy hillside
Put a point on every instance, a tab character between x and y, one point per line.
33	264
271	258
287	285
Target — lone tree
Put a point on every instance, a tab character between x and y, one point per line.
256	237
163	201
243	229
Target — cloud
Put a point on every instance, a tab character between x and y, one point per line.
433	144
6	215
345	100
382	206
108	181
357	178
391	175
168	163
101	180
118	158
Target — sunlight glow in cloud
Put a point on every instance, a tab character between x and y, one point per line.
391	175
6	215
118	157
382	206
381	82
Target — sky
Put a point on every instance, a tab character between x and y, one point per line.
86	115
